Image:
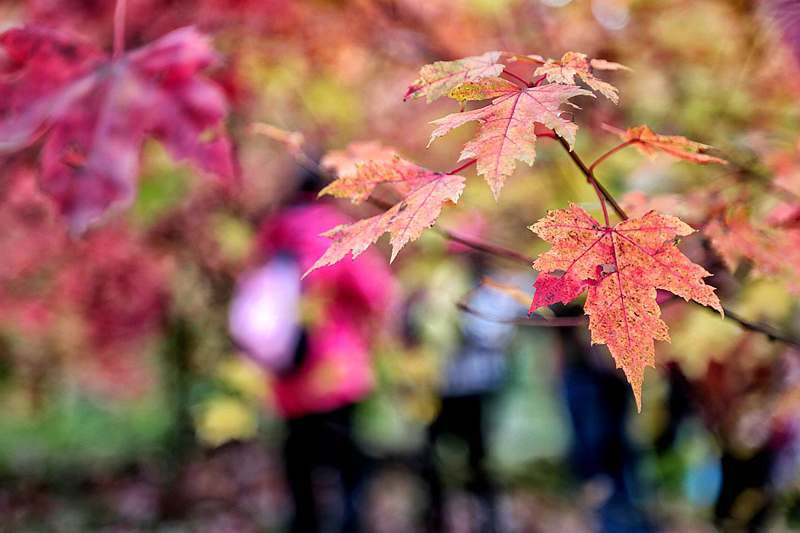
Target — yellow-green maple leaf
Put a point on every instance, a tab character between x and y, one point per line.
439	78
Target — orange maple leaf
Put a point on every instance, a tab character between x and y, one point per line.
404	221
621	267
341	163
576	64
506	130
359	183
648	142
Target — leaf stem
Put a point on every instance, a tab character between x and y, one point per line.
602	202
462	167
524	83
601	191
750	170
609	153
119	29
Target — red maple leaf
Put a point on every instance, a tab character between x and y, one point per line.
621	267
506	130
96	112
404	221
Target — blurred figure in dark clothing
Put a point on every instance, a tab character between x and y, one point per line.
598	401
471	377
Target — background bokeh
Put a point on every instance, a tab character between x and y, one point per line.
125	406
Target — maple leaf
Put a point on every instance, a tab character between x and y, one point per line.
344	164
772	253
506	130
648	142
404	221
359	184
621	267
437	79
96	112
575	64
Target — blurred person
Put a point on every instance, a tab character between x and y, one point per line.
472	376
598	400
317	335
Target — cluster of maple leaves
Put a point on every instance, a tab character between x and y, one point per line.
620	266
93	112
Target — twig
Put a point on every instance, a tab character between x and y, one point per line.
293	141
533	320
591	179
771	332
484	246
751	171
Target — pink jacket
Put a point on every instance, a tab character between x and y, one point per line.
344	307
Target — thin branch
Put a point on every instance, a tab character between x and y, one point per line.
749	170
293	141
591	179
533	320
771	332
484	246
